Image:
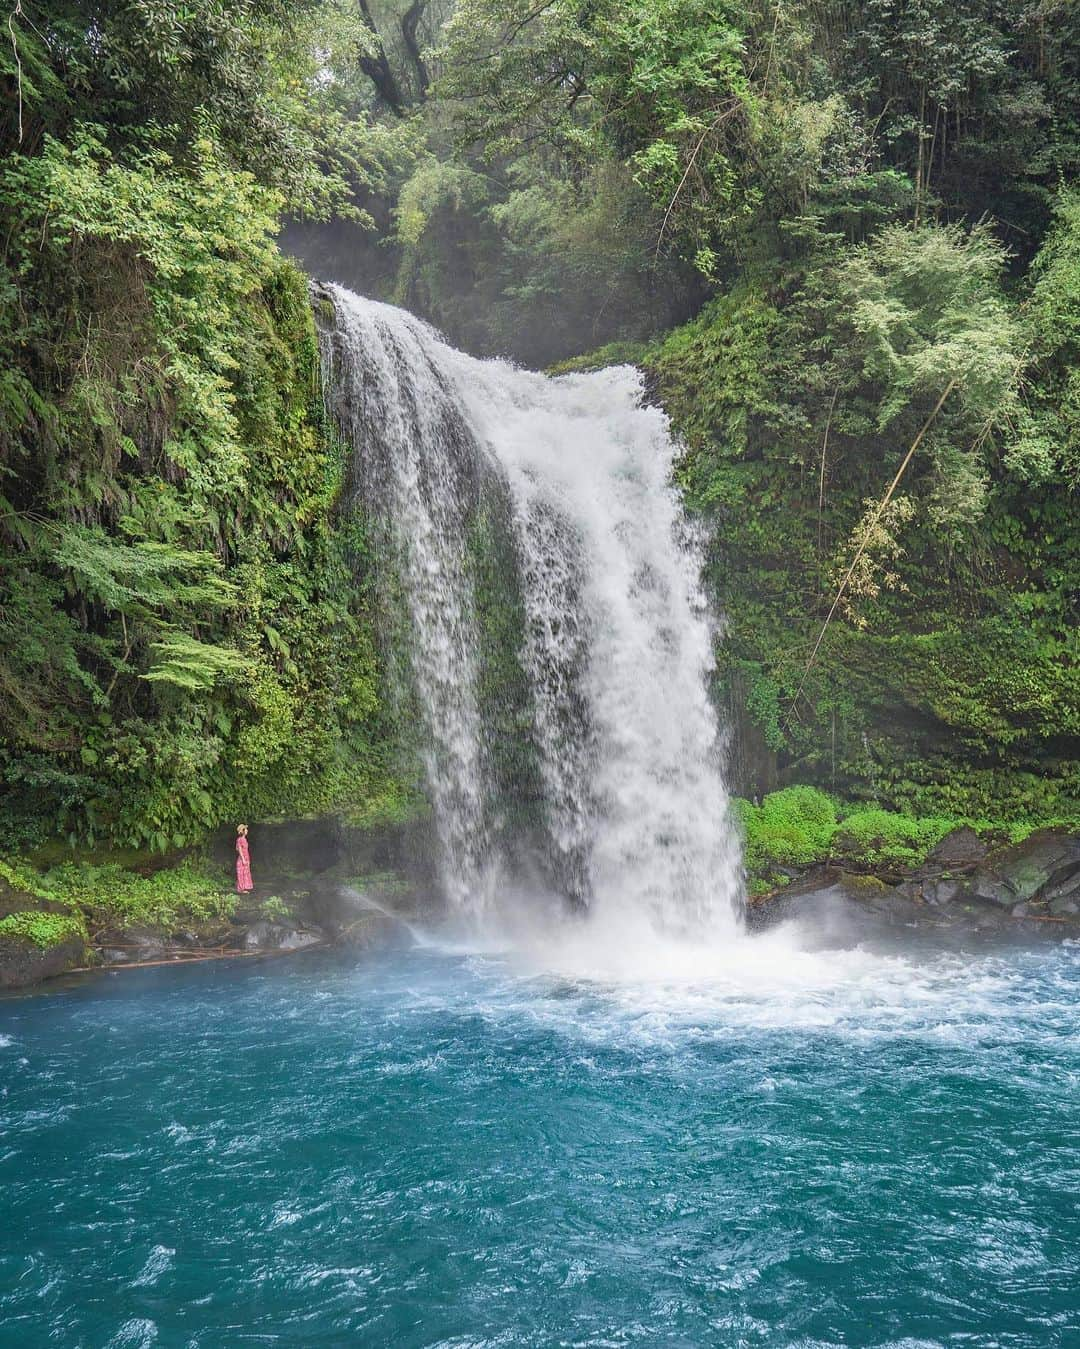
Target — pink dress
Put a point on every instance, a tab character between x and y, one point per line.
243	865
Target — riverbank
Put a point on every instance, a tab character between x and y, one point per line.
963	886
805	851
319	882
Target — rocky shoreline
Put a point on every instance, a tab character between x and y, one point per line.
321	885
963	885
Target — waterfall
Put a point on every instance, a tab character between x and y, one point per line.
612	638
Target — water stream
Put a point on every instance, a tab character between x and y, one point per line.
449	1147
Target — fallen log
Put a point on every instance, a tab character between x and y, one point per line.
188	959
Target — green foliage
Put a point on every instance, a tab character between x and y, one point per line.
577	175
264	79
744	121
274	908
798	826
110	895
1049	444
537	267
885	838
42	928
792	827
946	682
849	201
182	639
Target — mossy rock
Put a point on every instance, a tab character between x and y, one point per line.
38	941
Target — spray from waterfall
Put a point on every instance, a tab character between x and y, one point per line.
627	807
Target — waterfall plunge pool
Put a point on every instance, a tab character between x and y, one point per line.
580	1133
456	1146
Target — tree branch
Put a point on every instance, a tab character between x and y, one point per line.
866	535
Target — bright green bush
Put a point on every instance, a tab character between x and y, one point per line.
801	825
109	895
883	837
792	827
43	929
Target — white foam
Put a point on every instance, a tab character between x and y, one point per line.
159	1260
616	977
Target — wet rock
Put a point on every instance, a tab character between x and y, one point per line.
23	963
370	928
131	945
840	907
328	846
264	936
959	848
939	892
1021	873
993	889
1063	884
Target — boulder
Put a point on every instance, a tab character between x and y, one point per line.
959	848
1027	870
371	928
1064	884
840	906
23	963
130	945
264	936
939	891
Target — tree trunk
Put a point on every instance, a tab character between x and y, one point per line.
410	22
377	68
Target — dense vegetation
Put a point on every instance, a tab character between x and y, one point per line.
183	626
827	231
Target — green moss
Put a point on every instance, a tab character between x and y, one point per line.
614	353
801	825
793	827
388	883
391	802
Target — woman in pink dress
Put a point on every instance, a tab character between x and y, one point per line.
243	861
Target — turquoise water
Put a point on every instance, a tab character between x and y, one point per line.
445	1147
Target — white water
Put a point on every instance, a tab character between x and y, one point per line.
394	408
618	644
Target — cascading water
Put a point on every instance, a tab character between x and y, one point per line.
615	642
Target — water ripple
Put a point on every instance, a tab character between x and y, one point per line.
488	1147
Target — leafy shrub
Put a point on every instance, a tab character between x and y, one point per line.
883	837
110	895
791	827
802	825
43	929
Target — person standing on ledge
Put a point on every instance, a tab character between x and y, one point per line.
243	861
